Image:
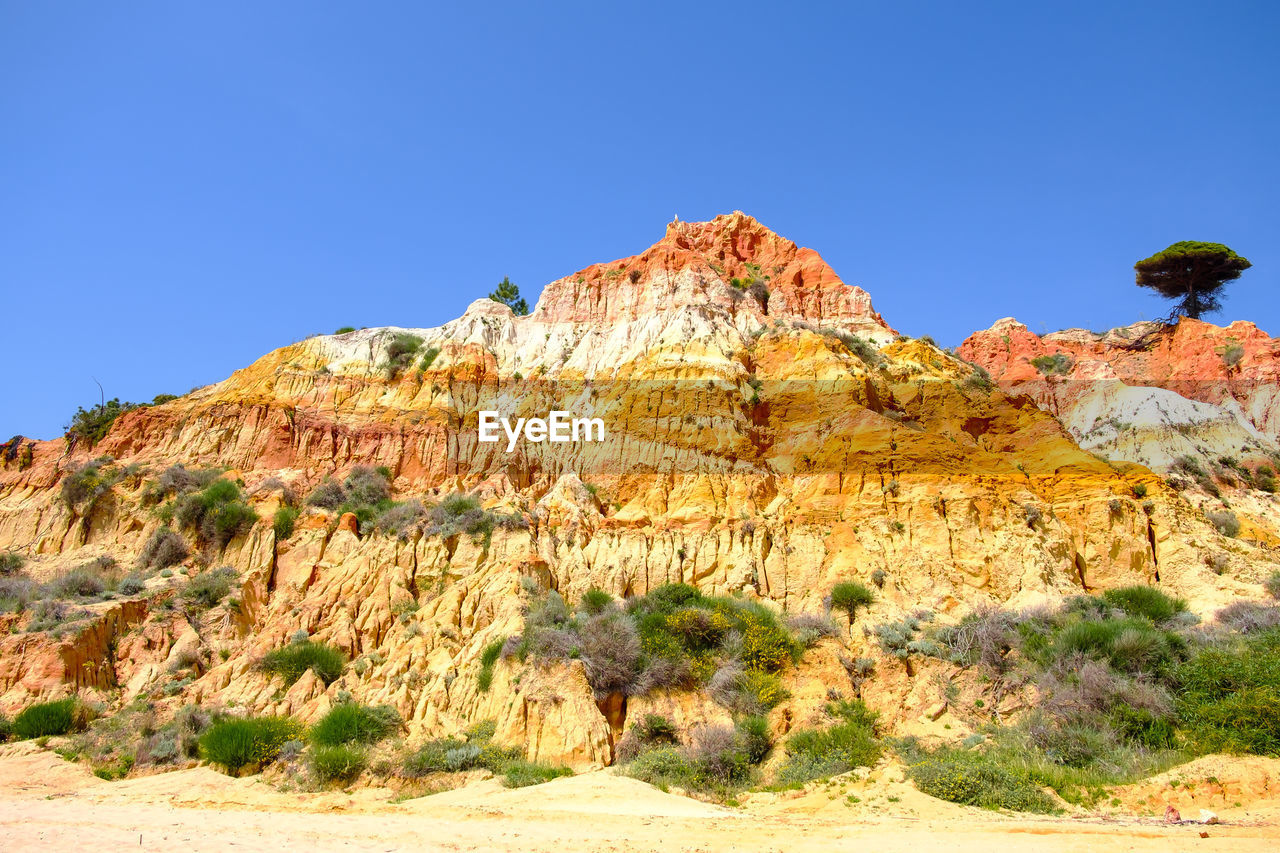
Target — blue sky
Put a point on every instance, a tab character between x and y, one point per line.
184	187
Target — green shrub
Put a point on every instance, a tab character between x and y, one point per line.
328	495
596	600
520	774
163	548
291	661
56	617
664	767
92	425
488	658
400	352
401	519
217	512
367	486
818	753
208	588
1129	644
1052	365
6	727
11	563
240	743
451	755
1229	699
652	731
283	522
1225	521
337	762
850	597
1145	601
89	580
351	723
747	691
84	485
1272	584
1142	727
428	358
757	739
972	780
460	514
44	719
344	330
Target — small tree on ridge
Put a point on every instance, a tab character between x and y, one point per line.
1192	273
509	295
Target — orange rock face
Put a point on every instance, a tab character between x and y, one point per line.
695	263
1198	360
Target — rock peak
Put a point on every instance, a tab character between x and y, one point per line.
731	262
729	234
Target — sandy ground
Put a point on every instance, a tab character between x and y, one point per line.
48	804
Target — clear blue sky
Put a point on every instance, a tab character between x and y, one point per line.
185	186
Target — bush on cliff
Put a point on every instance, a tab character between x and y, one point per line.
291	661
400	352
283	522
674	636
218	513
86	484
209	588
163	548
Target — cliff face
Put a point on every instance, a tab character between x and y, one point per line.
1147	393
767	434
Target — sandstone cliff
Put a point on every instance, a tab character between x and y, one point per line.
768	434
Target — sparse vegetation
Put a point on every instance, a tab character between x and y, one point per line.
85	485
401	350
717	761
453	755
672	637
209	588
11	563
458	514
1225	521
1052	365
